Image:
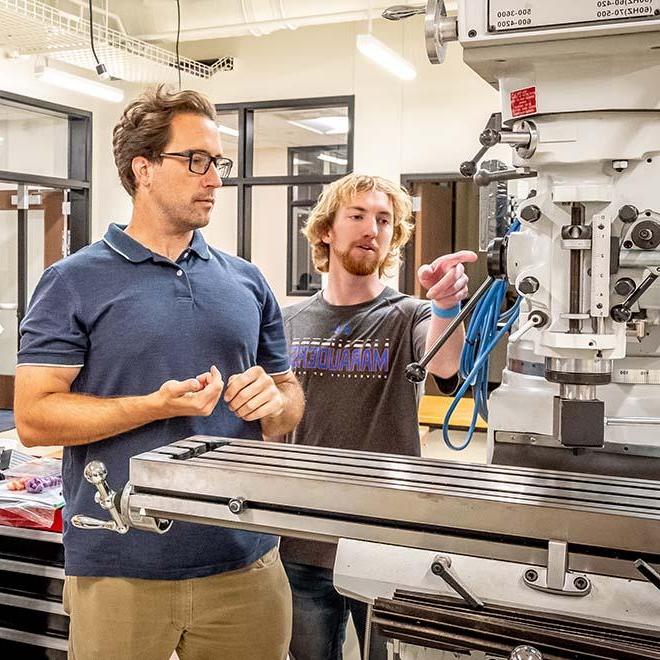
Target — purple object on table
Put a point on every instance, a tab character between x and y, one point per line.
39	484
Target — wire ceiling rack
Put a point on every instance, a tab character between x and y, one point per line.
30	27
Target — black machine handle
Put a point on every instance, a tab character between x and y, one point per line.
416	371
648	572
622	313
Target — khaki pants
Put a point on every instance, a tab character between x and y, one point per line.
238	615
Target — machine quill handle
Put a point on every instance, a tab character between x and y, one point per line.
489	137
485	178
401	12
416	371
469	167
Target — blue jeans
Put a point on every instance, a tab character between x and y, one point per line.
320	615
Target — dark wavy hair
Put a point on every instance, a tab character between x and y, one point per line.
144	127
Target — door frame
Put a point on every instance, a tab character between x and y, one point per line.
78	187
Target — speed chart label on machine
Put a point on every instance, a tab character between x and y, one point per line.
508	15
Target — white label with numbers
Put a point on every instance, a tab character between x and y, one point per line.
507	15
636	376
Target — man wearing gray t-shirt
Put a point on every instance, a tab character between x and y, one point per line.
349	346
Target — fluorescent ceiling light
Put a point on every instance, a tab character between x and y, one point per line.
301	125
227	130
337	125
79	84
385	57
329	158
296	161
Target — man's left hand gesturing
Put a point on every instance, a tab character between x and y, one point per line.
254	395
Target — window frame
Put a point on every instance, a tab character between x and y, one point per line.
245	180
292	236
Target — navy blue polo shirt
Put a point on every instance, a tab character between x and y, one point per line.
131	320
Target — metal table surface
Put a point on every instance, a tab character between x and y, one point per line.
278	483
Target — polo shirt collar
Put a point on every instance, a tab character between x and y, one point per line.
116	238
198	245
125	245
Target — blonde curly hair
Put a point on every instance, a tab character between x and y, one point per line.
341	192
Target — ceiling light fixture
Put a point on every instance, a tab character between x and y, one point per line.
385	57
324	125
76	83
329	158
301	125
226	130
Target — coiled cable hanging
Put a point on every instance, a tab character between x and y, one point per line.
486	327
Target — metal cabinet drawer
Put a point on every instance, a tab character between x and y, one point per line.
33	624
15	645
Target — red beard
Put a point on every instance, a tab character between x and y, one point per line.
367	264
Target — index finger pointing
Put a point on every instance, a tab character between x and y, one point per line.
447	261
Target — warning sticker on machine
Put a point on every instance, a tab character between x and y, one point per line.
523	101
509	15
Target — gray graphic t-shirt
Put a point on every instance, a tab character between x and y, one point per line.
351	362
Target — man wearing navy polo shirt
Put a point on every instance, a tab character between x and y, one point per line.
143	338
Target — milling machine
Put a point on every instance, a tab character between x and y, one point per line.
580	109
581	114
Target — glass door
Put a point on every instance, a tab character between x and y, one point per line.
45	173
33	235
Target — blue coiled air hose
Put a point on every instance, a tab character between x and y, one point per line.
485	329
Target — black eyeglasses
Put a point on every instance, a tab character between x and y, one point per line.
199	162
